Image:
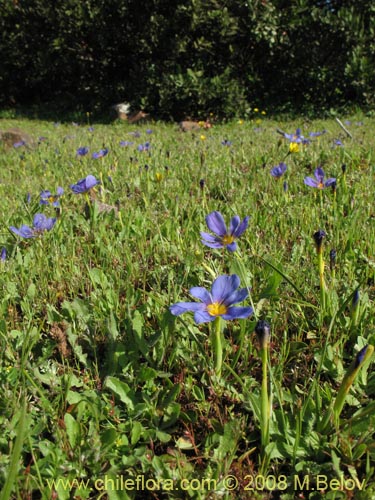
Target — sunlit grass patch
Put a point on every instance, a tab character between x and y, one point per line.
114	385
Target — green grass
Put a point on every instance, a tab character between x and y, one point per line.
105	394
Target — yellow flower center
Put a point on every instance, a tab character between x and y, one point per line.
320	185
228	239
52	199
216	309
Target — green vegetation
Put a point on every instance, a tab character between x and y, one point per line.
101	384
188	58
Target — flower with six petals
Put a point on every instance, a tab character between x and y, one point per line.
219	302
224	237
47	198
319	181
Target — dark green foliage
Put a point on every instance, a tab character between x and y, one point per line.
186	58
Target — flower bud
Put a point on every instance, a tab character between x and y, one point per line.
332	259
318	238
263	332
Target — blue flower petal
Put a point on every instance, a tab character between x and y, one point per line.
23	231
210	238
216	224
39	222
241	227
202	294
203	317
223	287
90	182
238	313
309	181
182	307
330	181
319	174
233	225
232	247
236	296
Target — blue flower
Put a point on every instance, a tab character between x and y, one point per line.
100	154
82	151
279	170
319	181
84	185
297	137
126	143
46	198
223	238
216	303
144	147
317	134
40	224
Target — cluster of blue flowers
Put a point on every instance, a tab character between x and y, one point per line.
297	138
41	222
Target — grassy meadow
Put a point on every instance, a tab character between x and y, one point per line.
105	394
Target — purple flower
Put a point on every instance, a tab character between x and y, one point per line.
149	131
82	151
223	238
227	143
100	153
126	143
317	134
40	224
19	144
3	255
144	147
319	182
46	198
297	137
279	170
84	185
216	303
337	142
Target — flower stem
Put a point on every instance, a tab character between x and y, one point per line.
265	406
216	344
262	330
323	289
